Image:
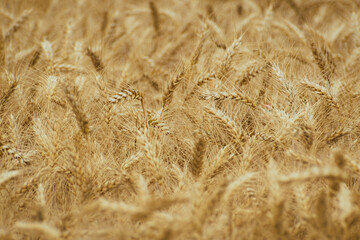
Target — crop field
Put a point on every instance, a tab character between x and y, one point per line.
179	119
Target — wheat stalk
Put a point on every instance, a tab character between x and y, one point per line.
321	91
18	24
222	96
96	61
196	164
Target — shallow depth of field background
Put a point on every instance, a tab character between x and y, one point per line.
204	119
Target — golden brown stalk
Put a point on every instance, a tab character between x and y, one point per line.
81	176
268	17
313	173
252	195
230	126
40	213
139	212
154	161
196	55
196	164
112	29
265	83
96	61
210	12
295	56
66	68
222	69
109	185
355	28
340	162
155	123
346	205
320	60
222	158
225	65
128	94
67	37
251	72
235	184
322	55
334	136
304	158
321	212
155	70
352	60
2	51
35	57
7	15
287	85
48	51
155	17
278	220
355	167
204	79
108	113
217	31
59	102
219	44
295	29
17	25
7	176
303	201
78	52
207	209
223	96
44	228
104	22
31	183
6	96
321	91
307	135
15	153
167	96
80	115
41	195
188	70
113	183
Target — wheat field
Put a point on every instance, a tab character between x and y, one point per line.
191	119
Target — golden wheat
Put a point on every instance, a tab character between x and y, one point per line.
202	119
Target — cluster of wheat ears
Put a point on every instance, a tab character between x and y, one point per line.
204	119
